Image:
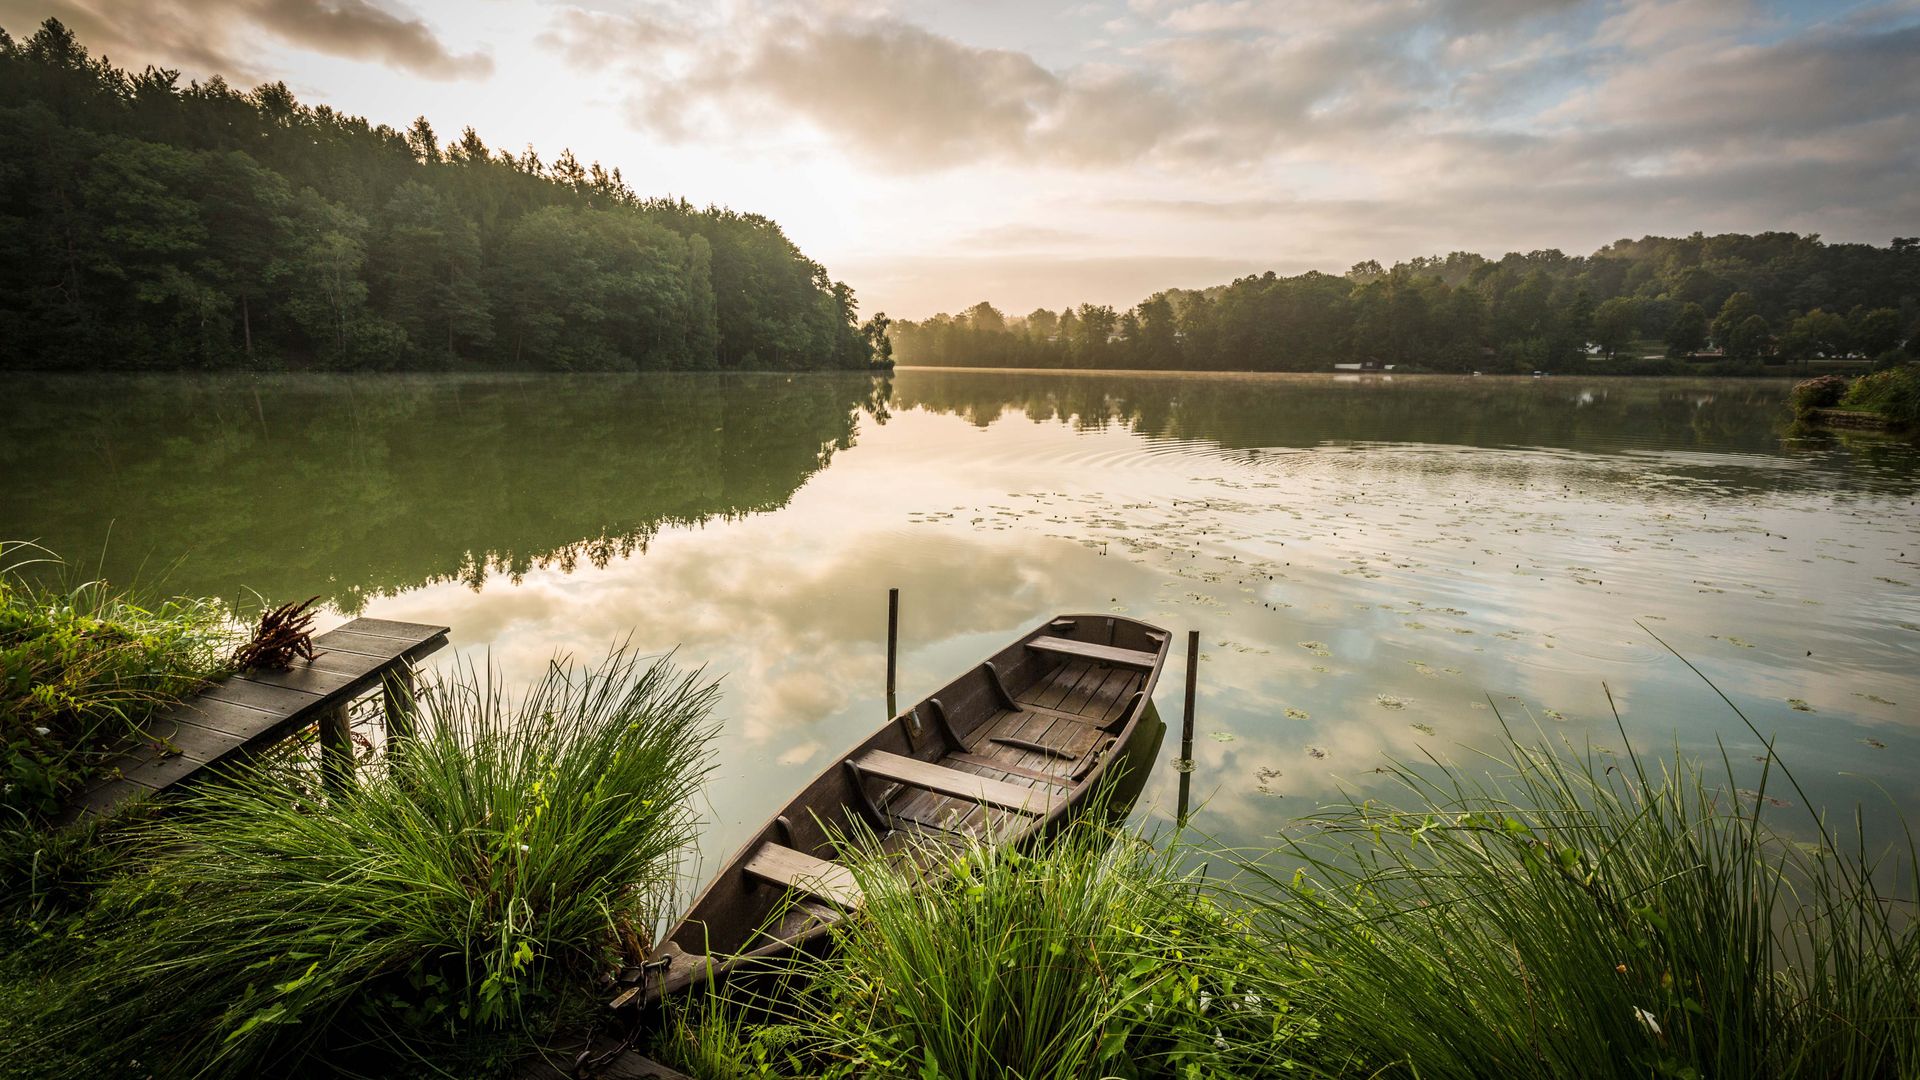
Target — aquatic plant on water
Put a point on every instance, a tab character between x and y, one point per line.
447	908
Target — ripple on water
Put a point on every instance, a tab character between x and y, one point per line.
1610	644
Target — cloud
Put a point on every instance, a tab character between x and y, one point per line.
219	36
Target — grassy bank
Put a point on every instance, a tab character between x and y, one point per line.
83	666
1540	914
444	917
1888	399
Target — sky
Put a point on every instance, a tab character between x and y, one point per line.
1052	152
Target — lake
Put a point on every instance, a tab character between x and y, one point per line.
1379	567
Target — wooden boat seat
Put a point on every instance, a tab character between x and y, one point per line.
952	782
804	873
1104	654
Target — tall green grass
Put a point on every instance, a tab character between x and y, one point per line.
1094	958
1563	916
82	668
445	910
1539	913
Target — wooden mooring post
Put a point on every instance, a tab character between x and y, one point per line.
1186	725
336	750
893	645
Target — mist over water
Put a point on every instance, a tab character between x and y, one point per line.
1379	567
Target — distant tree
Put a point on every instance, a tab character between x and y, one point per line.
985	318
1616	323
1749	340
1877	331
1575	327
1735	310
1158	345
427	268
423	142
875	331
469	150
1816	334
1687	333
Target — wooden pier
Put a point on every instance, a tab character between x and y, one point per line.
234	719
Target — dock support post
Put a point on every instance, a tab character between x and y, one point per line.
1186	723
336	750
396	701
893	644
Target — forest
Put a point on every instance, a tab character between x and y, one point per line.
1634	305
147	225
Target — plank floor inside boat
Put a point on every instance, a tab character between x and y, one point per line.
1067	709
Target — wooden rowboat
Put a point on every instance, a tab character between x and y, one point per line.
1014	748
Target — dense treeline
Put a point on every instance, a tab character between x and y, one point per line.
1774	297
148	225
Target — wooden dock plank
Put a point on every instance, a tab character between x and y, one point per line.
313	678
284	700
238	721
383	645
230	720
418	632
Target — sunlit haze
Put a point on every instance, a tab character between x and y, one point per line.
932	155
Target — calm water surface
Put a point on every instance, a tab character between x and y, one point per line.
1379	567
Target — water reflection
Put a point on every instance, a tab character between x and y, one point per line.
1376	567
360	487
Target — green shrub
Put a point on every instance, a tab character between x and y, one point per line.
443	909
1893	393
82	668
1823	392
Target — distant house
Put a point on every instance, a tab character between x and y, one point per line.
1368	365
